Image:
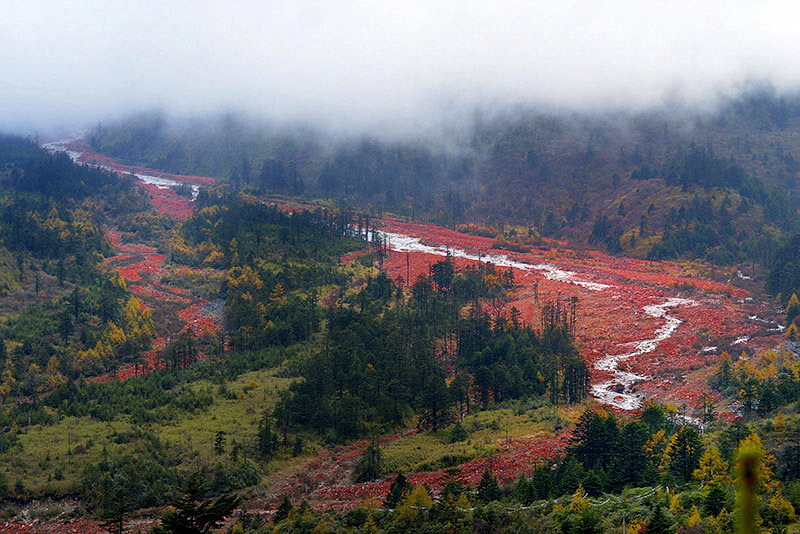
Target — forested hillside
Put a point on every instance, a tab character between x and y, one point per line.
57	301
666	184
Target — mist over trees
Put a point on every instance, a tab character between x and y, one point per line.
662	184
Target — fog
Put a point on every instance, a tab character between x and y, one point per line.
379	66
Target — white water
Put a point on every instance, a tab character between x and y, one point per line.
164	183
60	146
605	392
159	182
778	327
404	243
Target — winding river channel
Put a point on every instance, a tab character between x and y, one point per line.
608	391
615	391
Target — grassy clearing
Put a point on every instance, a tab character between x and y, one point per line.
487	429
237	410
49	460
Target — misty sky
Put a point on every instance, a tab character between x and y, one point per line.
368	65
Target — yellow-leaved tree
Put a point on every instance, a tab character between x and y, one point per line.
780	422
766	461
792	308
8	384
780	510
414	501
138	326
713	468
52	375
133	337
793	333
655	448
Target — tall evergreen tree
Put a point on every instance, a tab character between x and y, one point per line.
195	514
488	489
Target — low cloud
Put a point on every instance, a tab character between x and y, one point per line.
379	66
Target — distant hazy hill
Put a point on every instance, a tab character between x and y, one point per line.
666	184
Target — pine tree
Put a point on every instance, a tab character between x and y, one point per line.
458	433
194	514
436	401
267	440
488	489
716	500
630	461
683	453
369	465
595	439
283	510
397	490
219	442
658	523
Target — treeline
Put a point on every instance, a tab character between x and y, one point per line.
237	230
278	262
88	331
227	147
67	239
701	229
699	166
27	168
607	455
388	174
149	398
267	161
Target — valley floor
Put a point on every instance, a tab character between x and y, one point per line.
650	330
